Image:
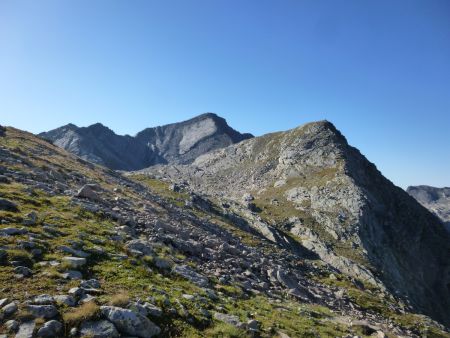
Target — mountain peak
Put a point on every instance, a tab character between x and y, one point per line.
179	142
208	115
310	183
437	200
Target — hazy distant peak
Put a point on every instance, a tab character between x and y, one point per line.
180	142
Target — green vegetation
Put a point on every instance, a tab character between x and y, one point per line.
87	311
162	188
221	330
123	278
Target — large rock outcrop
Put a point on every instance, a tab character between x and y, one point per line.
179	143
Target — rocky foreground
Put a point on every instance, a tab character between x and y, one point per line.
88	252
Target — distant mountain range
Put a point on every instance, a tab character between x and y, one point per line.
179	143
437	200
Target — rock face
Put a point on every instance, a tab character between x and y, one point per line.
310	182
437	200
174	143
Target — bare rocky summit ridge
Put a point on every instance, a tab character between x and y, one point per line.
174	143
308	183
437	200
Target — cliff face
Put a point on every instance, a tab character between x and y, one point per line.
437	200
175	143
309	183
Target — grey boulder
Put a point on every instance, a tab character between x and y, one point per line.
26	330
75	262
7	205
98	329
43	311
9	309
87	191
129	322
50	329
186	272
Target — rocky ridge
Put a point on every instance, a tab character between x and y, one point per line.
92	252
437	200
309	183
174	143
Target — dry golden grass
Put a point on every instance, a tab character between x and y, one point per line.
89	310
120	299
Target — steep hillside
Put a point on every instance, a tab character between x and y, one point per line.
309	184
437	200
87	252
174	143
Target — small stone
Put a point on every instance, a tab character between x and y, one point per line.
211	294
162	263
26	330
43	311
7	205
50	329
42	300
188	297
74	252
86	298
87	191
72	274
76	292
129	322
247	197
12	325
23	271
65	299
253	325
140	246
186	272
98	329
229	319
74	262
12	231
3	302
153	310
9	309
90	284
31	219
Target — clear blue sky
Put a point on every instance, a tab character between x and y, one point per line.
379	70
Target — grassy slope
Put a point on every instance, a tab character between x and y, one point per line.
138	277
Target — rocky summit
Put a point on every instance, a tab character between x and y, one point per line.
174	143
292	234
437	200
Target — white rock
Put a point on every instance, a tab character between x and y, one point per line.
98	329
26	330
75	262
129	322
50	329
